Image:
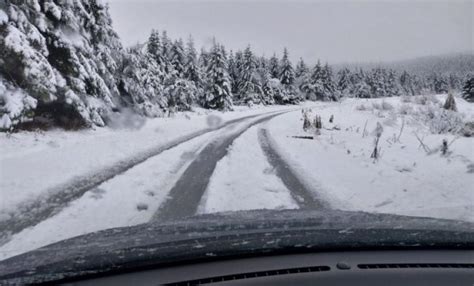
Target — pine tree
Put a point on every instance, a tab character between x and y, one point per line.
274	67
301	69
407	83
468	90
287	74
287	94
392	85
177	58
330	92
344	84
180	92
218	92
266	85
192	70
154	47
232	68
249	88
139	84
377	81
237	74
59	73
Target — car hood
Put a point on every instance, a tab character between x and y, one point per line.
235	234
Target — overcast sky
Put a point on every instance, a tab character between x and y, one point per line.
334	31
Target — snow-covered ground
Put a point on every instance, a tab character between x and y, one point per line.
32	163
336	165
404	180
128	199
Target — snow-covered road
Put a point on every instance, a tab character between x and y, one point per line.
163	183
34	211
185	196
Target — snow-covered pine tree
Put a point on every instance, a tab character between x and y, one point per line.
218	93
301	73
192	70
181	93
237	75
344	84
392	85
361	87
377	80
468	90
314	84
265	82
154	48
287	74
274	67
454	82
233	73
301	69
177	58
249	87
439	83
407	84
63	56
287	80
330	91
140	82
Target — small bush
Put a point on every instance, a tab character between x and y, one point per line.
443	121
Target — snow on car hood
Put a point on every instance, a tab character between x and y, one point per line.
214	236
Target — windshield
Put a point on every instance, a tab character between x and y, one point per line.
120	113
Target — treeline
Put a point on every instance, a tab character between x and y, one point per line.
62	64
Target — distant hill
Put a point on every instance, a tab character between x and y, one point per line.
460	63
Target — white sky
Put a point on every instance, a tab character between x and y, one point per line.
334	31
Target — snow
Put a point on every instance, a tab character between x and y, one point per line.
133	197
337	165
244	180
128	199
3	17
405	180
69	155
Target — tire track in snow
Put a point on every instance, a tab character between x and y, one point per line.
185	196
305	197
57	198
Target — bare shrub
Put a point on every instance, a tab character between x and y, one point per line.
306	121
443	121
377	133
317	122
444	147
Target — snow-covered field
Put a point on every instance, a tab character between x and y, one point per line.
404	180
336	165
